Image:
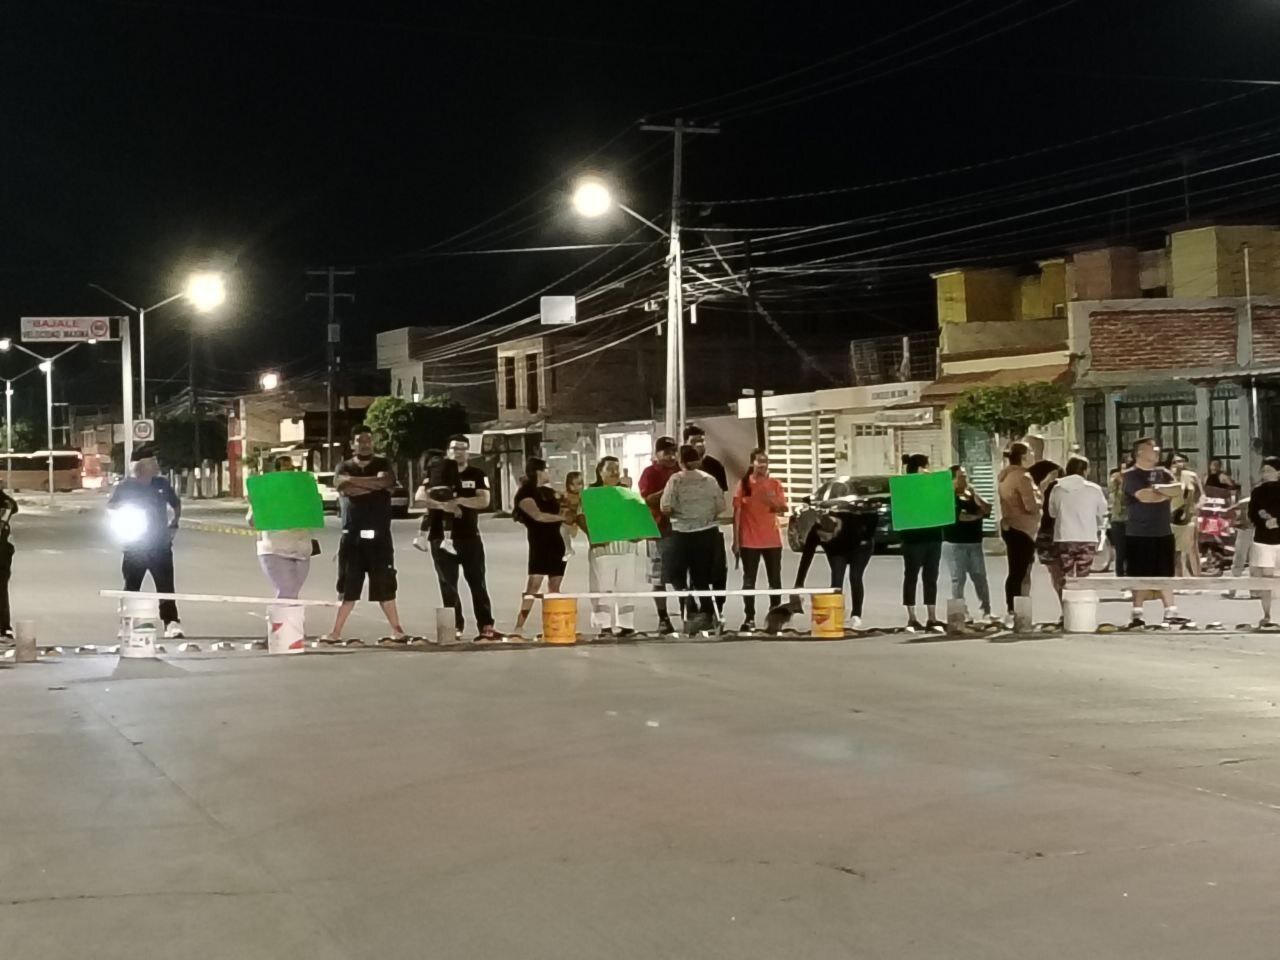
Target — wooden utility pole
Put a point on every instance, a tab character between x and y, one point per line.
333	338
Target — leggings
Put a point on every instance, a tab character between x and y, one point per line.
856	563
287	574
692	561
751	557
921	560
1022	554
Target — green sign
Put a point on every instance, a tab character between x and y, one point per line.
617	513
920	500
286	500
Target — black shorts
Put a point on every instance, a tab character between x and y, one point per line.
1149	556
375	559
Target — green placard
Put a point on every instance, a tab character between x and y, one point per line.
617	513
286	500
920	500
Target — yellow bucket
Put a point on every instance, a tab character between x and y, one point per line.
560	621
828	615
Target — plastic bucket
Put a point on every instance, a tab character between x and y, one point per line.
828	615
139	641
140	608
286	628
560	621
1080	611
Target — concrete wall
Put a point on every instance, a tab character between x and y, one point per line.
1209	261
1031	336
1107	273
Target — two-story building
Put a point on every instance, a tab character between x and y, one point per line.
1183	344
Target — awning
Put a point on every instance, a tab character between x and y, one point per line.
951	385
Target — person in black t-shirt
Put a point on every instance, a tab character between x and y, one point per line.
1264	514
366	548
8	507
696	437
962	542
471	495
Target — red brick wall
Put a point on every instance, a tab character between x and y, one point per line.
1161	339
1266	335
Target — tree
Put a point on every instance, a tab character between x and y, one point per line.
26	437
404	430
1009	412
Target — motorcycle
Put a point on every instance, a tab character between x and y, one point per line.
1215	524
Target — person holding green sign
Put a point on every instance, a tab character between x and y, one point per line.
285	555
921	557
611	568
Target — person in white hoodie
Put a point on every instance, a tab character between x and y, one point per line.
1079	510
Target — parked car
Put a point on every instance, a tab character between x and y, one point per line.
872	490
333	502
328	492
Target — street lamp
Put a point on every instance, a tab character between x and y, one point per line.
205	291
45	366
592	198
269	380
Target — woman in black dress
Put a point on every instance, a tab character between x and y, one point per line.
539	510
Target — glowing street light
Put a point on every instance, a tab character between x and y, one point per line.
269	380
592	198
206	291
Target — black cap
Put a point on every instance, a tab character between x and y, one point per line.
144	452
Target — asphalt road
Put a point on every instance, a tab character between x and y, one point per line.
1091	797
66	557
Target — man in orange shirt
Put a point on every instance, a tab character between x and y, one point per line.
757	503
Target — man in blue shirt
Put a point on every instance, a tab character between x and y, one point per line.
140	507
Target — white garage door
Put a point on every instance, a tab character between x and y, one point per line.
802	452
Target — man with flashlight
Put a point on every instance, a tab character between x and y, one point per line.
139	512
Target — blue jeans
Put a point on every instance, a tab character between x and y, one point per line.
966	560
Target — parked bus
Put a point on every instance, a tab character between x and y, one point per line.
30	471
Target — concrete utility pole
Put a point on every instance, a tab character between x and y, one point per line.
675	390
333	337
752	309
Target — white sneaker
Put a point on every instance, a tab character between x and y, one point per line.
855	623
447	545
173	631
420	543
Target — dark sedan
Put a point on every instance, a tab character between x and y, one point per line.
873	490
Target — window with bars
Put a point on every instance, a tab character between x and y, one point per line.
508	383
1172	423
531	382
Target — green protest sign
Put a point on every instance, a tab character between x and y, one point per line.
286	500
617	513
920	500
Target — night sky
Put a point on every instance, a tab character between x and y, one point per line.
146	138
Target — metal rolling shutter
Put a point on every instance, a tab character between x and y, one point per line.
802	452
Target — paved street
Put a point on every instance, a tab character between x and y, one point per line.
1098	797
65	558
1089	797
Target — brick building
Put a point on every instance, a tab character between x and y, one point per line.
1196	364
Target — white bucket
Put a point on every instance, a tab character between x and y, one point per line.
1080	611
140	608
139	617
286	628
140	640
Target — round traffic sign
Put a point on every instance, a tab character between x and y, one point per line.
144	430
100	328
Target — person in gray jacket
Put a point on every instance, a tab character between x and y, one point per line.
694	501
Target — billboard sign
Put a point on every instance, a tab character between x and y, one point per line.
66	328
